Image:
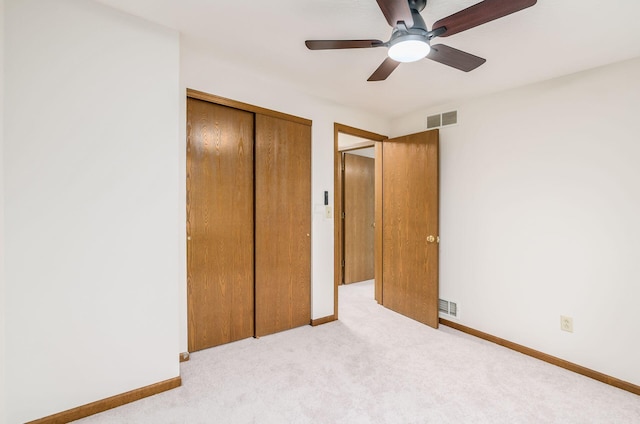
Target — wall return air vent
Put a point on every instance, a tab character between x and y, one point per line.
442	119
448	308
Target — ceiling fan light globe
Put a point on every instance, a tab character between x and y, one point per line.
409	50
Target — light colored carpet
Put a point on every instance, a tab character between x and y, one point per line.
375	366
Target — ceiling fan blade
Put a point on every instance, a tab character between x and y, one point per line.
395	11
384	70
479	14
455	58
342	44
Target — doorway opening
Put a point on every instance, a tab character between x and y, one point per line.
353	229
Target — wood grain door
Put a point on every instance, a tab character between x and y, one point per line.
409	230
359	203
283	224
219	224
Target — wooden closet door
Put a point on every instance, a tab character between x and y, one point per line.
283	224
359	201
219	224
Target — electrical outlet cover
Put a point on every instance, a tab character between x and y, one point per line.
566	323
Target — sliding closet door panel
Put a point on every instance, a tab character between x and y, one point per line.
219	224
283	224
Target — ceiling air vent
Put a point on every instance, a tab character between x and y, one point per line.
450	118
433	121
442	120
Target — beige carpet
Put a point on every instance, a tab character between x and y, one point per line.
375	366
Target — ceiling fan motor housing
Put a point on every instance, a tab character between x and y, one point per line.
410	44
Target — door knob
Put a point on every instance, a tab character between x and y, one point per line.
433	239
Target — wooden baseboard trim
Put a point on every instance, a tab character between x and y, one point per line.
604	378
184	357
109	403
323	320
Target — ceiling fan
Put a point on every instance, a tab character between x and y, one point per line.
410	39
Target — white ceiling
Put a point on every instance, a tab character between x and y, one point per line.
550	39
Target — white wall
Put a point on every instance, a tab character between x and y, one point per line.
2	283
539	215
92	209
203	70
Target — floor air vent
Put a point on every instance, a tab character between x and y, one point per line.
443	306
447	307
453	309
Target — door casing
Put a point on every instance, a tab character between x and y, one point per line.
338	250
338	230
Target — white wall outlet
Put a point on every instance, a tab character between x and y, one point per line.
566	323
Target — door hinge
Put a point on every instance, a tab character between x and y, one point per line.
343	263
342	215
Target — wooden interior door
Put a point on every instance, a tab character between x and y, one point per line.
283	224
219	224
359	205
409	230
